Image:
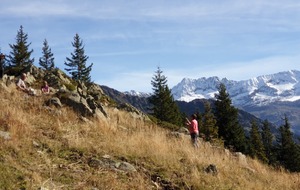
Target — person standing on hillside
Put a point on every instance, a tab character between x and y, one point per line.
193	129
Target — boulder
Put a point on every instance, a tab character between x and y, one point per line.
8	83
82	89
5	135
100	113
54	101
95	163
129	108
227	152
125	166
95	91
91	102
36	72
211	169
241	158
58	80
77	102
183	130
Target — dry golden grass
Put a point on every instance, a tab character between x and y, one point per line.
51	149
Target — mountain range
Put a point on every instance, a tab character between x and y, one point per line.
267	97
258	91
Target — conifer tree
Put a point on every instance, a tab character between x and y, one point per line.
2	64
164	107
256	145
289	155
227	121
19	58
47	60
209	128
76	65
267	139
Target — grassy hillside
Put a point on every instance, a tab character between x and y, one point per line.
54	149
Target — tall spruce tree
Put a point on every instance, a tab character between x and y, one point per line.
76	65
227	121
20	56
210	128
2	64
256	145
289	155
47	60
164	107
267	139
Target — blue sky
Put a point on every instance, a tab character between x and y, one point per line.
128	40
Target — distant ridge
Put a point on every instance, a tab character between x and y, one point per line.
267	96
262	90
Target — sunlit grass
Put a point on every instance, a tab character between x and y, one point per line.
50	148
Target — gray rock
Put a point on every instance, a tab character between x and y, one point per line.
5	135
77	102
95	163
35	144
183	130
125	166
241	158
211	169
54	101
106	156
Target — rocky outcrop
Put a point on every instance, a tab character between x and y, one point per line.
88	101
7	82
109	162
75	101
64	91
53	101
85	105
241	158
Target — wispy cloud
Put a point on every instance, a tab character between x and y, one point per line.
249	69
189	38
156	9
18	8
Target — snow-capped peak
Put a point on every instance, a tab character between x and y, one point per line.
262	90
139	94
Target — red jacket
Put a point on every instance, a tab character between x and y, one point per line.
193	126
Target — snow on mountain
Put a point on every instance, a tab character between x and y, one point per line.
262	90
190	89
139	94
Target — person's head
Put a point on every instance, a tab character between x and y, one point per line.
23	76
194	116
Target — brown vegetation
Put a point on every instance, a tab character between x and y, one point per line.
53	149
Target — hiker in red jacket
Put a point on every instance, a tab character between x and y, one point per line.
193	128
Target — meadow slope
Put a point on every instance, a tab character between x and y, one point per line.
53	148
